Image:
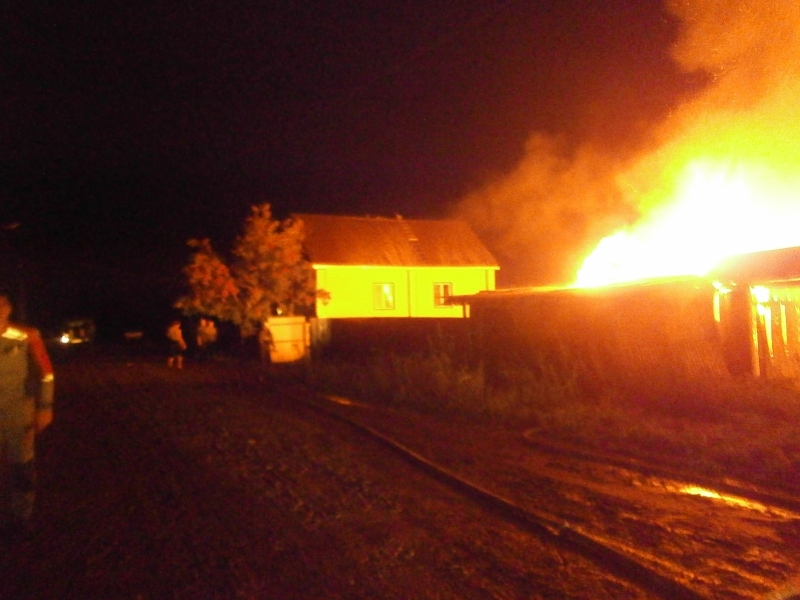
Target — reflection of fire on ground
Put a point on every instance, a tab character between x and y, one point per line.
730	500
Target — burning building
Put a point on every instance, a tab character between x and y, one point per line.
757	306
689	247
717	176
741	319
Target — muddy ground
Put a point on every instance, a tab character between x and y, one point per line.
217	481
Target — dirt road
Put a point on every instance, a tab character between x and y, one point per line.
218	482
208	483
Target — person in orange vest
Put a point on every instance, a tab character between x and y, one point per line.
26	409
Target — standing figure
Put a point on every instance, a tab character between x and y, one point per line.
266	344
201	339
211	338
177	345
206	338
26	409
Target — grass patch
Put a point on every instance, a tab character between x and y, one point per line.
744	429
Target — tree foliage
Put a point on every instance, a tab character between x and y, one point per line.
213	288
268	274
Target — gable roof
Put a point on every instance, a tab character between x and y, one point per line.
380	241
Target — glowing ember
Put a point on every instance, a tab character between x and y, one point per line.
717	211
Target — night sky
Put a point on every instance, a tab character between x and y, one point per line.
127	128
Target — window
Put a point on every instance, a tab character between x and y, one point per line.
441	292
383	296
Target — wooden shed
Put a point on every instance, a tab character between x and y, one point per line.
611	336
743	319
757	304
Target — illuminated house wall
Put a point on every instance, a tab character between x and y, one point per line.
394	268
392	292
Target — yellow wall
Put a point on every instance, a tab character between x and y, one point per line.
351	290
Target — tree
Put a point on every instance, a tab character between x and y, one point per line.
213	288
269	275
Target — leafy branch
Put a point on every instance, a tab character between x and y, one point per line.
267	276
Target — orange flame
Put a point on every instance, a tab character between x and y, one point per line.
719	176
717	212
728	181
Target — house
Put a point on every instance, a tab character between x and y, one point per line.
378	268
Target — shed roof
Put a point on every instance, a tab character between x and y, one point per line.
380	241
770	266
621	290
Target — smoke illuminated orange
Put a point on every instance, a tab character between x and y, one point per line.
726	177
718	176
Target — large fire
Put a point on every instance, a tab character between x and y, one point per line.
719	175
718	210
726	180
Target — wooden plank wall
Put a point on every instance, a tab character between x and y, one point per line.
628	337
778	334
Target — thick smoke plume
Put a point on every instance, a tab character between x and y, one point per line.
531	219
545	216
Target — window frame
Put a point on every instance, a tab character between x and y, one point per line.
381	300
446	288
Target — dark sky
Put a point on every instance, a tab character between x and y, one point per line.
127	128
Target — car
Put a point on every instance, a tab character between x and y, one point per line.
77	331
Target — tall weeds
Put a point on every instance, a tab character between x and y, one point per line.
441	378
746	429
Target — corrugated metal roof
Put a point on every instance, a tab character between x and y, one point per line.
760	267
380	241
